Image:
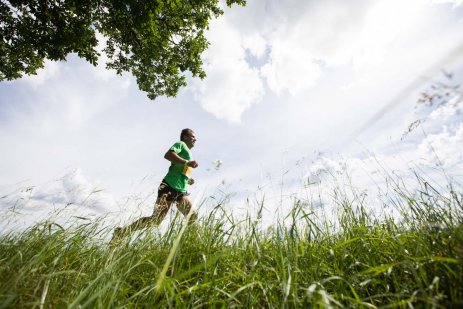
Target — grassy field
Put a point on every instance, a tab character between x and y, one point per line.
412	261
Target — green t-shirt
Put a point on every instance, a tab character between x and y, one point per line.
176	177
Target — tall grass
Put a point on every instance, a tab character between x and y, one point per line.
301	261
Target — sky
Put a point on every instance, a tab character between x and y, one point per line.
296	92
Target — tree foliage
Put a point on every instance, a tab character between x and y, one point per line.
156	40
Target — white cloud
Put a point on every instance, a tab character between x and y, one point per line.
435	156
231	85
290	69
73	101
329	31
307	41
456	3
384	23
444	148
302	36
375	177
71	196
307	36
50	69
255	43
450	108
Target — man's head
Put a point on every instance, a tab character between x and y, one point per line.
189	137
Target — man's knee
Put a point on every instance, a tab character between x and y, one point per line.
193	215
186	207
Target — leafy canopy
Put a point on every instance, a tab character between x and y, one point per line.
156	40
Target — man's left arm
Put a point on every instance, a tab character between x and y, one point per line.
175	158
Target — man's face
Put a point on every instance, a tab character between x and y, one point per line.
190	139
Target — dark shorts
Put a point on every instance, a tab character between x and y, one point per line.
169	193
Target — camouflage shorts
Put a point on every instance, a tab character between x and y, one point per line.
165	191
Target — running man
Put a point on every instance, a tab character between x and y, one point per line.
173	188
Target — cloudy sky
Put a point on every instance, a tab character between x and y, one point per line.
295	90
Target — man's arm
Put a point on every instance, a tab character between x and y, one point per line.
175	158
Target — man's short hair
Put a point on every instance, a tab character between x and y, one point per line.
185	132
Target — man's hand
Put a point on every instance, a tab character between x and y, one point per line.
192	164
191	181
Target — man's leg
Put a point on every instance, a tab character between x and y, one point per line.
161	208
184	205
